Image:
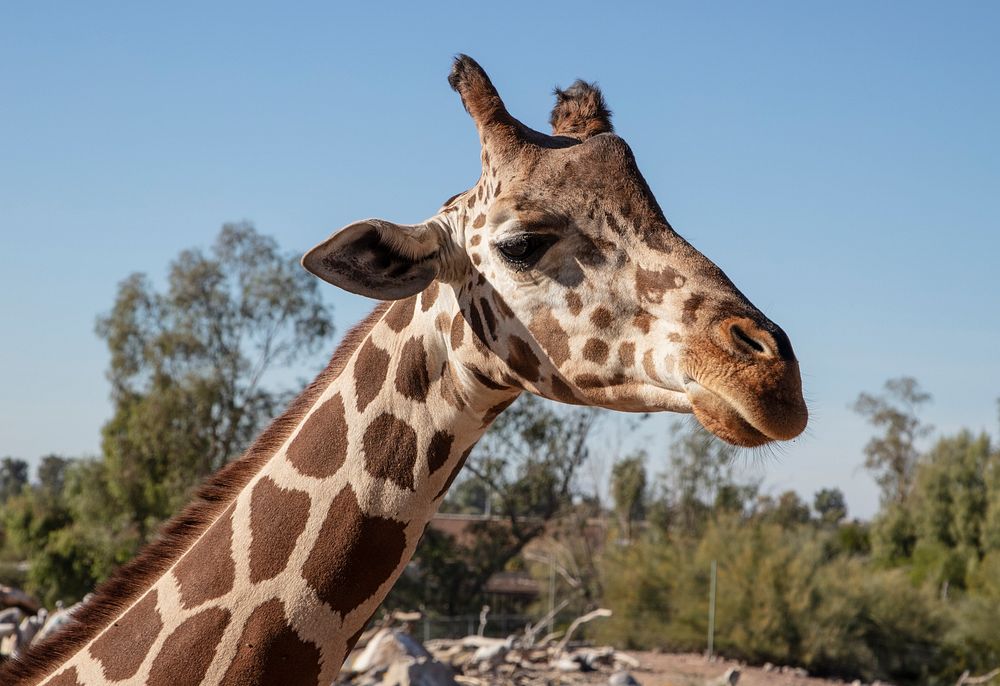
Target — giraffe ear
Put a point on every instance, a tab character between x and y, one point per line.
378	259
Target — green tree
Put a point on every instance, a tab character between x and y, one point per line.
892	455
700	474
13	478
52	475
830	506
628	490
191	387
788	511
188	365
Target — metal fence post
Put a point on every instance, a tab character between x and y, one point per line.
711	612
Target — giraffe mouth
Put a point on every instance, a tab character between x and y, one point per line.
723	417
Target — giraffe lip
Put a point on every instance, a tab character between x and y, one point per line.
723	417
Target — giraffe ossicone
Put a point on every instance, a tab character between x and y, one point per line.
555	274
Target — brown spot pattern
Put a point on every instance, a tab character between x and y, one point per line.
454	472
522	359
562	391
651	285
439	450
475	240
320	447
370	370
412	378
596	350
485	380
400	314
478	334
601	318
502	305
266	656
491	322
626	354
429	296
588	381
277	518
691	305
188	651
68	677
124	645
649	365
574	303
552	337
494	412
449	391
208	571
479	221
457	331
391	450
350	541
643	320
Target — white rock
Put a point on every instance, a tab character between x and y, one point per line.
622	679
384	648
420	672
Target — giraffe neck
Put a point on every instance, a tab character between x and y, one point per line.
280	585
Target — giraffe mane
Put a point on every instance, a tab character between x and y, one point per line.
124	587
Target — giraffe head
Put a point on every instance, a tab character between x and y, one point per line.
574	285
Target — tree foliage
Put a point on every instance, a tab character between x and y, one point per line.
628	491
188	365
911	598
892	454
13	478
830	506
189	382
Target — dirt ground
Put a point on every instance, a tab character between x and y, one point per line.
662	669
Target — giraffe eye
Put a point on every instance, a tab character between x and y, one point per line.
524	250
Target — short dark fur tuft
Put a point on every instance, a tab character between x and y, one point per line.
127	584
580	112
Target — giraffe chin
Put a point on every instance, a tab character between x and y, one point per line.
723	419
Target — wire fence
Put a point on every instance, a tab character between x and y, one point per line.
497	626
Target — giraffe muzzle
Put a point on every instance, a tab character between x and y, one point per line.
743	382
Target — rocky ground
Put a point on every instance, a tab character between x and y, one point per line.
388	655
391	657
686	669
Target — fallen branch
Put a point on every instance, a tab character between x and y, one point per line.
967	678
599	612
529	635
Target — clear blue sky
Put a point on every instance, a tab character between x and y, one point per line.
841	162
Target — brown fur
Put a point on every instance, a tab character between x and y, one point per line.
125	586
580	112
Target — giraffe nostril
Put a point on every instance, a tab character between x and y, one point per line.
743	337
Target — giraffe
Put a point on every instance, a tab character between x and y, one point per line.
555	274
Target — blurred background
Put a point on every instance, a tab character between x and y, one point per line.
840	161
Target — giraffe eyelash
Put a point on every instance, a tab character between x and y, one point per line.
524	250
